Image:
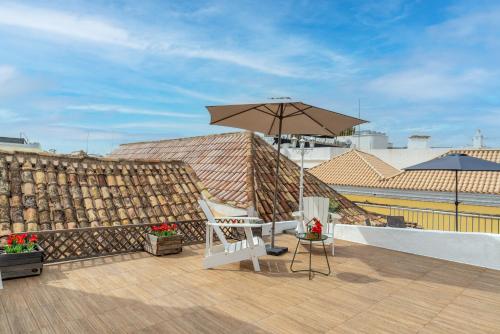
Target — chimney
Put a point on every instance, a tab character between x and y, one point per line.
419	142
478	140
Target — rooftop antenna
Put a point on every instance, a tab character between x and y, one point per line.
280	98
87	149
359	125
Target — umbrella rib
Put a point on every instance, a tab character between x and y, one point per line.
272	112
265	112
272	124
298	112
315	121
236	114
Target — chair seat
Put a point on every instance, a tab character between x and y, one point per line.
240	245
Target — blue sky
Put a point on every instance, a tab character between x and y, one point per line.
110	72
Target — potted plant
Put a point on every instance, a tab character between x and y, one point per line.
21	256
314	229
164	239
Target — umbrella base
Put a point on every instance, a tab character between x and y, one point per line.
276	250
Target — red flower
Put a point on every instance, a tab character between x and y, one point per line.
10	239
33	238
20	238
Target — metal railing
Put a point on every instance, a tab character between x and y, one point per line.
431	219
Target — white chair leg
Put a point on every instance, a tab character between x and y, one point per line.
333	247
256	265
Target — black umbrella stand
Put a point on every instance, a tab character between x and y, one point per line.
273	249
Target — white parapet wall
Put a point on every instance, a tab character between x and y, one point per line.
478	249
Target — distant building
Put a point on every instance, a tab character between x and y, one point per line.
11	144
367	140
319	150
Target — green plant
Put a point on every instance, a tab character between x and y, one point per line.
20	243
333	206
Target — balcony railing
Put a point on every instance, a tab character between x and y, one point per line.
431	219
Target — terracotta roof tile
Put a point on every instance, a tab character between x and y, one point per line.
354	168
238	169
47	192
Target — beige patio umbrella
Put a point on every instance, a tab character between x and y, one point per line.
279	118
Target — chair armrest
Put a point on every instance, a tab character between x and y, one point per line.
236	224
299	215
333	217
239	218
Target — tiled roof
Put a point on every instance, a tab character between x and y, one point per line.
470	182
238	169
354	168
47	192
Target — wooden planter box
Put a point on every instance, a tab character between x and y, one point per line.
21	264
163	245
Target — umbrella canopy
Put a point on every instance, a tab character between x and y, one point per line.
457	162
279	118
297	118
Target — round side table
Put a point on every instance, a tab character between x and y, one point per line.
303	237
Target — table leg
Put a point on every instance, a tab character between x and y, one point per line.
294	254
310	270
326	256
310	257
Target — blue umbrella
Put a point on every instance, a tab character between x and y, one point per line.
457	162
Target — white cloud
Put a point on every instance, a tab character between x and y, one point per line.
7	73
430	84
13	83
160	125
8	116
194	93
481	26
65	24
273	56
127	110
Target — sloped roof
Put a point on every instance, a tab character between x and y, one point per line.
238	169
354	168
360	169
47	192
471	182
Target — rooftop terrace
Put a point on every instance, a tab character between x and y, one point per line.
372	290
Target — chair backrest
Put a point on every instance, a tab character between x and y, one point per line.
211	219
317	207
396	221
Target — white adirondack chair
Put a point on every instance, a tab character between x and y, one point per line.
229	252
317	207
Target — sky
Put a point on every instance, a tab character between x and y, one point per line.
89	75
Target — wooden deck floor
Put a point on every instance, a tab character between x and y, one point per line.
373	290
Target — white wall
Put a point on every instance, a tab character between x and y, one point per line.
479	249
313	156
401	158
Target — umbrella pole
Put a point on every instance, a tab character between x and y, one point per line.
277	250
456	200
